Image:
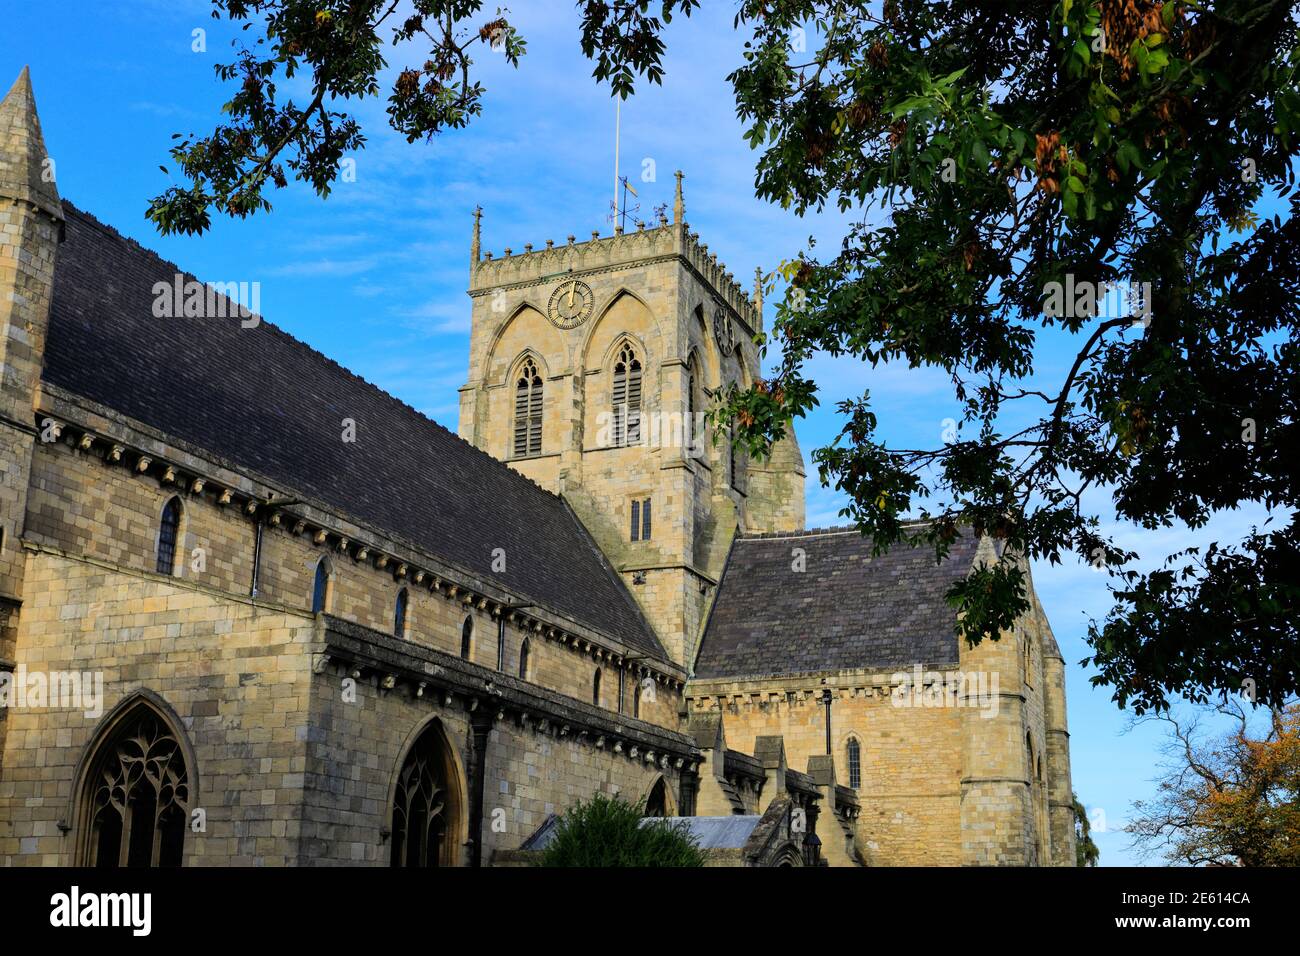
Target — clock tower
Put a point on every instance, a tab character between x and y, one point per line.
592	365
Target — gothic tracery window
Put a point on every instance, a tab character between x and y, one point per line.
425	805
656	802
627	397
528	411
138	795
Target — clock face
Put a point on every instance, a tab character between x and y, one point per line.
570	304
723	331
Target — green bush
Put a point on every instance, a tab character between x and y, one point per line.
607	831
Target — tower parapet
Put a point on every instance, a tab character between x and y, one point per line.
666	240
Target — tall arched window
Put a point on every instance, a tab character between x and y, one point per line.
627	397
595	688
1029	756
731	459
137	794
168	532
692	402
426	804
636	700
523	660
399	613
853	755
320	589
528	411
656	801
466	638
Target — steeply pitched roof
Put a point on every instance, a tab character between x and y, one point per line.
844	610
263	401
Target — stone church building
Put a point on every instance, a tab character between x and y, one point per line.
255	610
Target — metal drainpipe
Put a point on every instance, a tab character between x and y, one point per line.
480	725
826	699
257	554
259	519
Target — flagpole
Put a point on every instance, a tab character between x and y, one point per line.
618	118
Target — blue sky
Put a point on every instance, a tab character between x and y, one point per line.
375	276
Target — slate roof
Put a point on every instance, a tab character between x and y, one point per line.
263	401
710	833
846	610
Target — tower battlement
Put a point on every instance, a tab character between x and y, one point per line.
621	249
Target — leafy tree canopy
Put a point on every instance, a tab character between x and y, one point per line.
1231	800
1015	172
1086	852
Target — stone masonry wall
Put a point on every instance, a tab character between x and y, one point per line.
236	674
82	505
356	748
911	756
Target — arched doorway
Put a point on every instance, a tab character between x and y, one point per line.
426	803
135	792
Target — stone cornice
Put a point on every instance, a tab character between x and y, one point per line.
422	671
806	687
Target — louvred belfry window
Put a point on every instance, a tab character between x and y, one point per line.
627	397
528	411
